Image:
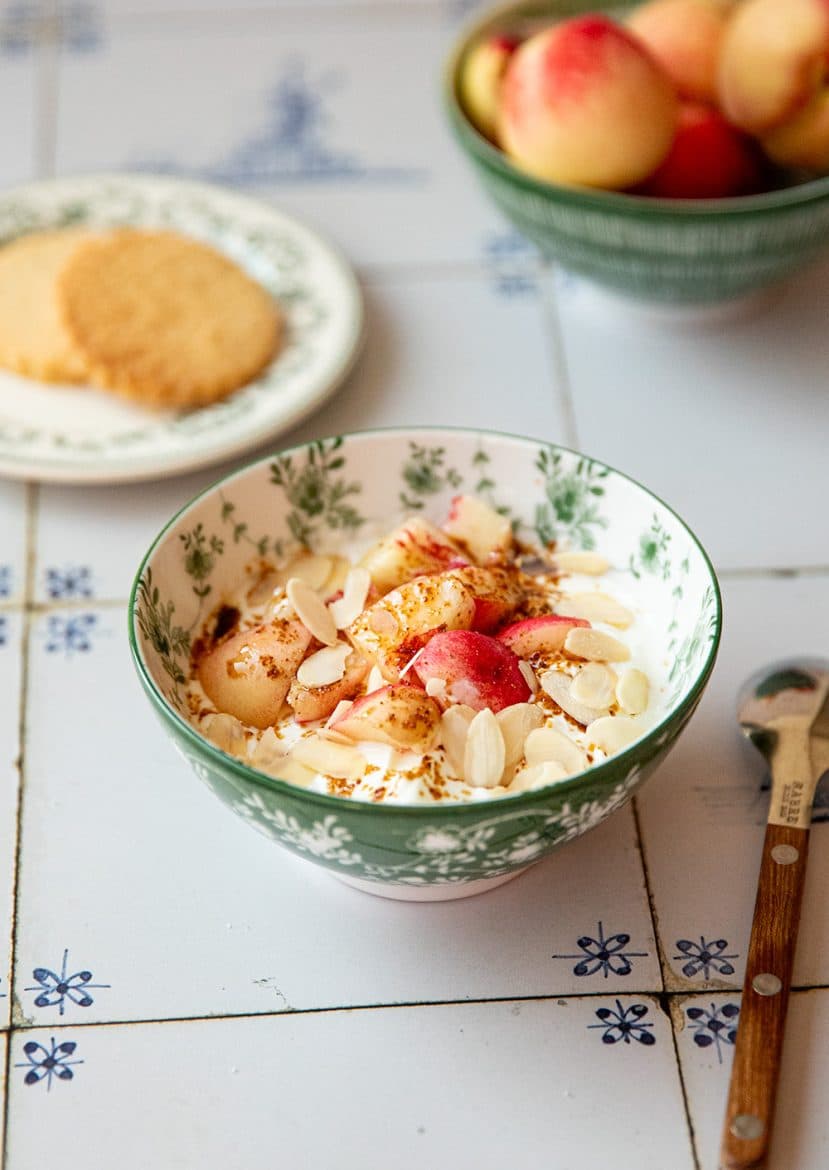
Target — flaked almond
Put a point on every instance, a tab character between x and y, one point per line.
613	733
355	591
329	759
556	684
454	726
595	686
340	568
595	646
325	666
226	733
333	736
311	568
263	590
267	748
595	607
311	611
536	776
548	746
436	688
485	752
292	771
580	561
529	676
516	723
633	692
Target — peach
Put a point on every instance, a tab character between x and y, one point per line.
480	80
539	634
803	141
481	530
401	716
248	674
312	703
773	61
496	593
415	547
684	36
476	670
584	102
709	159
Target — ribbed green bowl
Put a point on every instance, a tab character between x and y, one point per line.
666	250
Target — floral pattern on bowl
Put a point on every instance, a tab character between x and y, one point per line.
331	490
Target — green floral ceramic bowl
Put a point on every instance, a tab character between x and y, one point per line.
665	250
358	485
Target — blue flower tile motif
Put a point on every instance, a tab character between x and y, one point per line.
18	28
70	583
4	631
45	1064
704	956
624	1024
75	26
56	988
714	1026
605	953
5	581
70	635
80	27
511	259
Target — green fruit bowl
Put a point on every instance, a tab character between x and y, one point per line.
673	251
358	485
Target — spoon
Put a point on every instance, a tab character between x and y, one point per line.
784	711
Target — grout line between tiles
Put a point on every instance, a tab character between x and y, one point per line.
32	495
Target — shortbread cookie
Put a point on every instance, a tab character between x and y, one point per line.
33	340
166	320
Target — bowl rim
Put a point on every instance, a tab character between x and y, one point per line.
594	198
328	803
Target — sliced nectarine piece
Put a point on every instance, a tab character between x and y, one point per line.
415	547
399	715
539	634
475	669
479	528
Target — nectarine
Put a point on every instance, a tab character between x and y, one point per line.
708	159
684	36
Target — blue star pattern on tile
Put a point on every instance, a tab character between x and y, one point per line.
512	261
714	1025
3	631
56	988
69	583
70	635
605	954
77	27
704	957
5	581
624	1024
45	1063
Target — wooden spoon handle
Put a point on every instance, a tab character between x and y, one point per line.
750	1109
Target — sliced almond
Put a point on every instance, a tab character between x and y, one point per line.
266	748
595	607
633	692
325	666
355	591
556	684
485	752
333	736
516	723
311	568
328	758
595	686
290	770
264	589
595	645
454	725
581	561
340	568
436	688
536	776
613	733
529	676
311	611
226	733
548	746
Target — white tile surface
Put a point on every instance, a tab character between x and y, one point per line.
297	114
165	896
703	815
12	542
726	420
801	1130
10	672
424	362
18	96
474	1085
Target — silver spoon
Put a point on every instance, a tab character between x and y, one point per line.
784	711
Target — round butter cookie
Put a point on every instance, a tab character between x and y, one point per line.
165	320
33	340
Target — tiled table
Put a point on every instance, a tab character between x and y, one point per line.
174	991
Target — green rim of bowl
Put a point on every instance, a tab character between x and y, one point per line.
227	762
619	202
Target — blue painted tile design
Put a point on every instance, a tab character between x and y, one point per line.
56	988
294	144
80	27
68	583
19	28
77	27
512	262
624	1024
6	581
44	1064
605	953
705	957
4	631
70	635
714	1026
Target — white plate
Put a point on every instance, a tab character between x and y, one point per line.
83	435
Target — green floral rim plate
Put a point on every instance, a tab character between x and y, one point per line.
79	434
